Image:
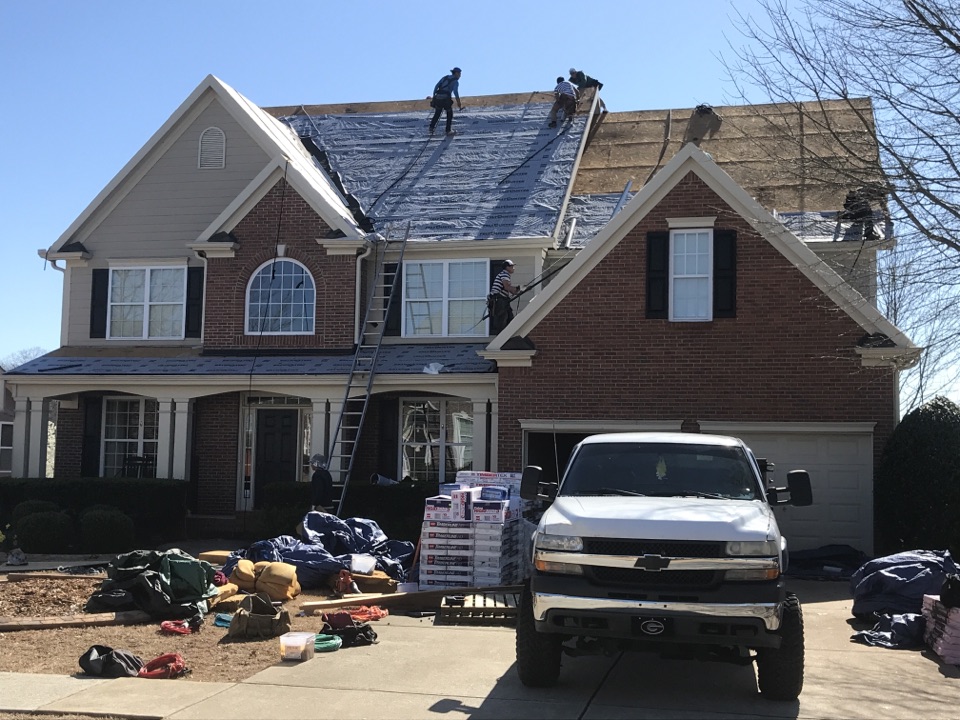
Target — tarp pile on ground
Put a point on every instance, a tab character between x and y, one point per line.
326	546
890	591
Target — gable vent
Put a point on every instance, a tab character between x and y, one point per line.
213	147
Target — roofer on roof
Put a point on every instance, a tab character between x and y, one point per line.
584	81
498	301
566	99
447	88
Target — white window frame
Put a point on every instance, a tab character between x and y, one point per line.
212	149
6	472
479	329
139	441
246	302
146	303
678	276
455	440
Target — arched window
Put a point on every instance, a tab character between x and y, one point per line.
213	149
281	299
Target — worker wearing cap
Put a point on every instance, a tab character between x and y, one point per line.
501	292
584	81
446	89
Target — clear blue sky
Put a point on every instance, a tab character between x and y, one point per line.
86	83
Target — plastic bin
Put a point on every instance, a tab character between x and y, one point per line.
297	645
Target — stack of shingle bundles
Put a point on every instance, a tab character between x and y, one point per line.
496	558
942	633
446	554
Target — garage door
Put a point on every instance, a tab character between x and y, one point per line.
839	458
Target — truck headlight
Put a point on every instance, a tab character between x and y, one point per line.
563	543
753	548
557	567
748	575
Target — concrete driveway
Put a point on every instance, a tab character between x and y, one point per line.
419	670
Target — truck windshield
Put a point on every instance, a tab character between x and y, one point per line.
661	470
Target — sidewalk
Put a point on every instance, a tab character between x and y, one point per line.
419	670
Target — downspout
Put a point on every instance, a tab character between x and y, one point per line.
65	300
356	301
42	252
202	254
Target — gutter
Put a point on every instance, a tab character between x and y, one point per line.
356	301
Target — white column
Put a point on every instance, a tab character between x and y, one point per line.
494	436
181	447
37	448
164	436
21	427
480	435
336	466
318	427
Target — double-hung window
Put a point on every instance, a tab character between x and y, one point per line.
147	303
129	436
6	448
445	298
691	282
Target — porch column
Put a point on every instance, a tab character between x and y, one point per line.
21	426
318	427
164	436
37	446
479	450
181	446
494	436
335	467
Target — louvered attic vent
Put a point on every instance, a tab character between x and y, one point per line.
213	146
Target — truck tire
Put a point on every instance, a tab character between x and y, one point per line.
538	654
780	670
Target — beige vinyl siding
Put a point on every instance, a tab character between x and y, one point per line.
167	208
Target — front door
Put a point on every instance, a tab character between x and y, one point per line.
278	456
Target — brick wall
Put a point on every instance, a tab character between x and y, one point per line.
788	356
257	234
216	431
69	443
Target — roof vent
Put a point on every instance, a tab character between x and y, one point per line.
213	149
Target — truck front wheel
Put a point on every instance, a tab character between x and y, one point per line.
780	670
538	654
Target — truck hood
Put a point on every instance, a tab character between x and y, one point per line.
668	518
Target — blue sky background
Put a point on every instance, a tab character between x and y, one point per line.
86	83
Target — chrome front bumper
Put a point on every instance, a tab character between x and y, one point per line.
769	613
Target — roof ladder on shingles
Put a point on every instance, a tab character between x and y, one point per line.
345	440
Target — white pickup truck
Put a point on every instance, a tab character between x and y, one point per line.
664	542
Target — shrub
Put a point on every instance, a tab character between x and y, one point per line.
275	521
99	507
29	507
107	530
917	486
46	532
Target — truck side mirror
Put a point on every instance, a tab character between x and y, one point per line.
533	488
798	487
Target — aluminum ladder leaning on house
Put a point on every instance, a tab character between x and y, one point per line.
345	439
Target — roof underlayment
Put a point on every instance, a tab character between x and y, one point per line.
504	174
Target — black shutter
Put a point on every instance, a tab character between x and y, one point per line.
395	312
98	303
724	273
658	274
194	315
90	444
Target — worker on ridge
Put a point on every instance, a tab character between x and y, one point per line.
447	88
498	301
584	81
567	96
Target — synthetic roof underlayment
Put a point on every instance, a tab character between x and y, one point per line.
504	174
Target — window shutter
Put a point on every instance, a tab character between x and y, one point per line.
90	443
395	312
98	302
724	273
658	271
194	319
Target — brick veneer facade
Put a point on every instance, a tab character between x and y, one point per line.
257	234
787	356
216	430
67	453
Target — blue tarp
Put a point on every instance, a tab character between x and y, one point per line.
897	583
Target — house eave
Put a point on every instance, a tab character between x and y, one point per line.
509	358
214	249
901	358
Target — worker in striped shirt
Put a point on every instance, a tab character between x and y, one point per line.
567	96
498	302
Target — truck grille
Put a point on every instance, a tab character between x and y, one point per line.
690	579
666	548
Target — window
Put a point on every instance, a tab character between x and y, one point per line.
436	439
281	300
690	263
692	274
445	298
147	303
213	149
6	448
130	437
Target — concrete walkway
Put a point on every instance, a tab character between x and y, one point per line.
419	670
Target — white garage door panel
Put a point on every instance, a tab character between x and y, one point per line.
840	464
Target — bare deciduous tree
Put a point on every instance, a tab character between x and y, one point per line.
904	55
20	357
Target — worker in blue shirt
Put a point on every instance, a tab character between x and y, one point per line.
446	89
